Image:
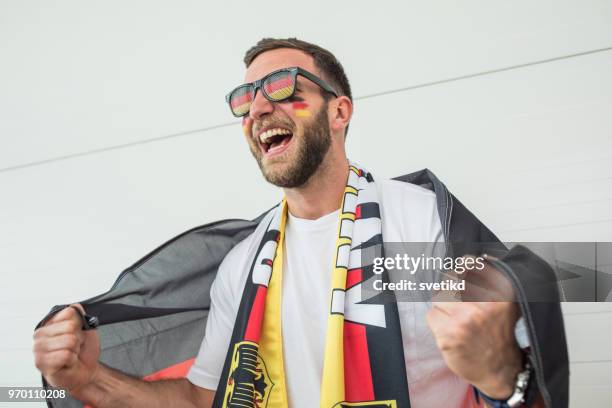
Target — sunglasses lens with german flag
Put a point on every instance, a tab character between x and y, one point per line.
240	100
279	85
276	87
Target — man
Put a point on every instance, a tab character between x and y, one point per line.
273	337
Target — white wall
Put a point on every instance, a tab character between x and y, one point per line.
528	149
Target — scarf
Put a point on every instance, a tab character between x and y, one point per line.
364	358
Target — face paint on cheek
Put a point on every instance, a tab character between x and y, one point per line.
246	128
301	109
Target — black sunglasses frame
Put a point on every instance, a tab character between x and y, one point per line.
294	71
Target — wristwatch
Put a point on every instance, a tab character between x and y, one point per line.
518	396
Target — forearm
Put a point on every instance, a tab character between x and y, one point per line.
111	388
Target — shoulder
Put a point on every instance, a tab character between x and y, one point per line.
409	212
235	267
396	193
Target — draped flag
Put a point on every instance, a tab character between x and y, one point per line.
152	321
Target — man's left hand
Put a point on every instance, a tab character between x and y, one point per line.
477	339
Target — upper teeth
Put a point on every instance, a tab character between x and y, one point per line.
264	136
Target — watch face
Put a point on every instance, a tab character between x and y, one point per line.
518	397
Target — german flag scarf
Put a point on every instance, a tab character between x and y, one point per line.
364	359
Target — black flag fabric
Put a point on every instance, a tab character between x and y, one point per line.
152	320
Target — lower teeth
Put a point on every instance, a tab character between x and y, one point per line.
276	144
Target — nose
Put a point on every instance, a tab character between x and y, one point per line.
260	106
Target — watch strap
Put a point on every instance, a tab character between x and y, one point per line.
518	397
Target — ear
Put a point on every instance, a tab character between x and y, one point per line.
341	112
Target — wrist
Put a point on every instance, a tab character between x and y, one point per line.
519	395
86	392
501	384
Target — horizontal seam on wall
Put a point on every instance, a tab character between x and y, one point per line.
373	95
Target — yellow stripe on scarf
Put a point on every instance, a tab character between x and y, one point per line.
271	341
332	385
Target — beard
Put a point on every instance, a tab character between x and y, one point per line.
309	150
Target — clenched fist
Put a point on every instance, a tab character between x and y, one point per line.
476	338
66	355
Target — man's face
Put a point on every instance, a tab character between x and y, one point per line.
289	139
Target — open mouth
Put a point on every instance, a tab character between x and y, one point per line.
275	140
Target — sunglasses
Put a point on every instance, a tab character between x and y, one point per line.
277	86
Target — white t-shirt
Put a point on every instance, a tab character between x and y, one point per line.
409	214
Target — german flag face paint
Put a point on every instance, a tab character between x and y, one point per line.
301	109
246	128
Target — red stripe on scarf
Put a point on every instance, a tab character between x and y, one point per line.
353	277
358	212
358	384
253	329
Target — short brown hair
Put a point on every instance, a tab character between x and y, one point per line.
325	61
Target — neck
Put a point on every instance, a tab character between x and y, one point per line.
322	193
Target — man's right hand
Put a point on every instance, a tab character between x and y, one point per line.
66	355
